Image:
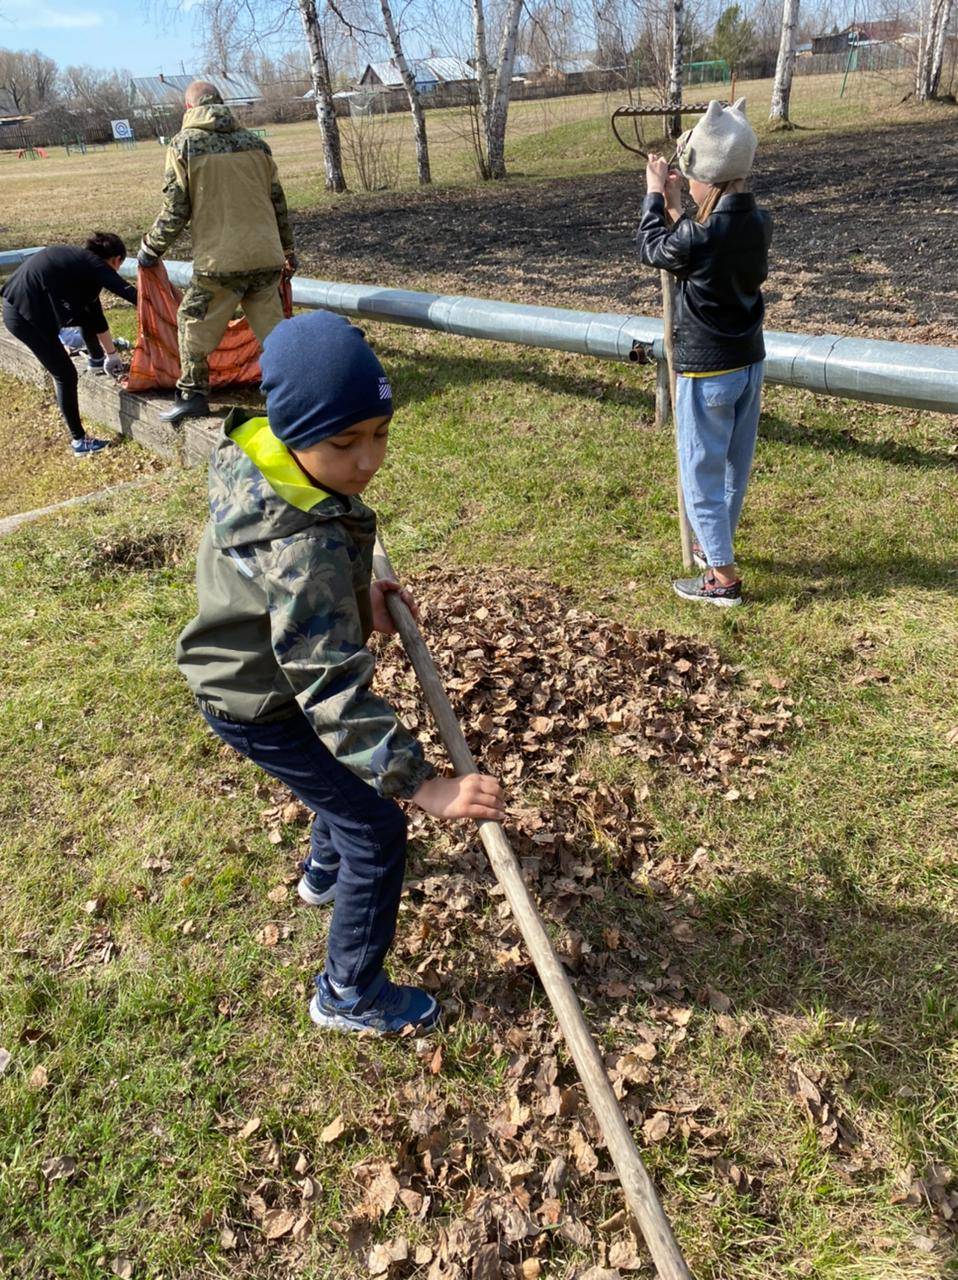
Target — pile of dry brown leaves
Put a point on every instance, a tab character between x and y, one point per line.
507	1184
537	682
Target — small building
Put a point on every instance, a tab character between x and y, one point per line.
430	74
158	93
881	32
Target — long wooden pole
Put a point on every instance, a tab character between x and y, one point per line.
668	326
640	1194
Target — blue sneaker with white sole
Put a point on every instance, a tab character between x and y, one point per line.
381	1007
318	883
87	446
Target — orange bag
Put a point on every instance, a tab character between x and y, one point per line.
156	358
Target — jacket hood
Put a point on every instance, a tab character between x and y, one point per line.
257	491
211	115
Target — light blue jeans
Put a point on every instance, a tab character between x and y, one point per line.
717	427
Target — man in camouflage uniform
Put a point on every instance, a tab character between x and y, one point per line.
221	180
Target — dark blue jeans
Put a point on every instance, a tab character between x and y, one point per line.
352	820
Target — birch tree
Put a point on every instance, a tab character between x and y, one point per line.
412	93
935	16
782	88
495	83
323	91
677	64
938	49
390	31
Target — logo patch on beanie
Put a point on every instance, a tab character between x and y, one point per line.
385	390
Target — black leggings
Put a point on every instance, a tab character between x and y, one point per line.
48	349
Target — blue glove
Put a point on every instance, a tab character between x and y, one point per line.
146	257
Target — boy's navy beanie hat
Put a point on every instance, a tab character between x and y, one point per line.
320	376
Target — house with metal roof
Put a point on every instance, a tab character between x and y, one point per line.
151	92
429	74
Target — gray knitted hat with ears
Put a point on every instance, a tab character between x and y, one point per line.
721	147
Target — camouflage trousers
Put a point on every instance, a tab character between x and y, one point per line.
208	306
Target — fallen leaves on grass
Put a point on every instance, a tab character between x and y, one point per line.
58	1168
383	1256
937	1189
277	1223
335	1129
532	676
39	1078
833	1129
535	681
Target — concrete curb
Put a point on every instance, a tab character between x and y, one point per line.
8	524
104	402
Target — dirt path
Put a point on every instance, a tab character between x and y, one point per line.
866	237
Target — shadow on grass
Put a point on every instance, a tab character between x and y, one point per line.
421	378
881	972
433	374
836	441
843	577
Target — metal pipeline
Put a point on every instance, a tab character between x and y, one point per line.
10	259
921	377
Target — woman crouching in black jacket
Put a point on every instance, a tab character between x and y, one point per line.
57	287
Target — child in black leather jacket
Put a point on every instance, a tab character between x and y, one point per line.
720	260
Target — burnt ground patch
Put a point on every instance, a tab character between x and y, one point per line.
866	236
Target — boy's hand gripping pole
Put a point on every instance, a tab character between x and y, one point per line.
640	1194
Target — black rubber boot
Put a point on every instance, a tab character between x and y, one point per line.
194	405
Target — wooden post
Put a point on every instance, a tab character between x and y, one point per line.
663	395
640	1194
668	325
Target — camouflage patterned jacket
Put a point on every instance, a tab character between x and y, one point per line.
222	181
283	573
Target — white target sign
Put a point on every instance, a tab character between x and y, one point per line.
121	130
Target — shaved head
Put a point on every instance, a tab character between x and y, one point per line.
201	92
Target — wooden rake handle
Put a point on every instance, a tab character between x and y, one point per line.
640	1194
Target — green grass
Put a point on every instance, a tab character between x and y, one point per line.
825	910
39	468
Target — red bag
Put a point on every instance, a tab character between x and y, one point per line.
156	357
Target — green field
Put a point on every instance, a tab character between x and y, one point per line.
62	197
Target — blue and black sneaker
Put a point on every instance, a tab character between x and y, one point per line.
87	446
318	883
381	1007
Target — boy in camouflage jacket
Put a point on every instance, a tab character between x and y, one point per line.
277	656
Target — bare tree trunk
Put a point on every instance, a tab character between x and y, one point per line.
481	60
935	17
494	89
323	89
677	65
782	88
922	57
938	49
412	93
496	122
